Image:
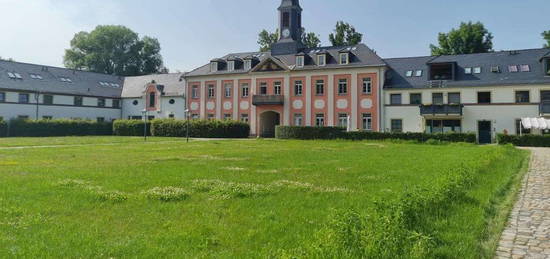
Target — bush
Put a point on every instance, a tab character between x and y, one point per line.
130	128
200	128
58	128
289	132
525	140
3	128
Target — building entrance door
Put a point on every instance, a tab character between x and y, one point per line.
484	132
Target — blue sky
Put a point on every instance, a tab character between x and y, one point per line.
192	32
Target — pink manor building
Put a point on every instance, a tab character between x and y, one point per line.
290	84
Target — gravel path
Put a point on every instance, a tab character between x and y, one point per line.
528	232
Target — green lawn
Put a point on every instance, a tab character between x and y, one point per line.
232	198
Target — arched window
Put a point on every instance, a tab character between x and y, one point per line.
286	19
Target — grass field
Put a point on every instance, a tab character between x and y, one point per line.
67	197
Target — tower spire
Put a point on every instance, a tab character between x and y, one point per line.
290	28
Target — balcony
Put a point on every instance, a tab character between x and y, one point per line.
268	100
544	108
441	110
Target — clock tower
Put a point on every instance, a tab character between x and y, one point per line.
290	29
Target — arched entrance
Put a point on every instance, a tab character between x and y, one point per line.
268	121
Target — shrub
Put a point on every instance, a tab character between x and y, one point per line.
291	132
3	129
294	132
58	128
200	128
167	194
525	140
229	190
130	128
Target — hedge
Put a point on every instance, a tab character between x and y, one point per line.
3	128
200	128
58	128
291	132
130	128
527	140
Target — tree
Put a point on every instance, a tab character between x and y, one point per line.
310	40
116	50
266	39
469	38
345	35
546	36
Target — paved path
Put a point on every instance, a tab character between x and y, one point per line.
528	232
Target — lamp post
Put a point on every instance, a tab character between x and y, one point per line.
187	125
144	112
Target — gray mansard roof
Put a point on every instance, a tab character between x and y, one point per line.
361	56
174	85
398	67
81	82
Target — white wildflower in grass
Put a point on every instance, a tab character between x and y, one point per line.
113	196
228	190
167	194
72	183
233	168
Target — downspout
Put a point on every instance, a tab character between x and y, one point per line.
381	108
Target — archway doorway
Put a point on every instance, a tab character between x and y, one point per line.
268	121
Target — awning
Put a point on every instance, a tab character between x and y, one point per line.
535	123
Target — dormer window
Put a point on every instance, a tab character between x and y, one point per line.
409	73
547	66
300	61
322	60
344	58
442	71
231	65
214	66
248	64
525	68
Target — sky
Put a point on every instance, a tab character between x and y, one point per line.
192	32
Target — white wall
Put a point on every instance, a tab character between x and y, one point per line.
165	108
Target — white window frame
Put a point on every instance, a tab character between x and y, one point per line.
245	90
342	84
320	120
477	70
513	68
344	58
248	64
213	66
343	120
418	73
194	92
263	85
244	117
277	88
521	68
227	90
300	61
298	88
367	121
231	65
298	119
409	73
367	85
468	70
211	91
322	58
320	83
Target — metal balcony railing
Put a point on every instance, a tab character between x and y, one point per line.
268	100
441	109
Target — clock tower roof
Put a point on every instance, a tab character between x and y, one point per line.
290	4
290	28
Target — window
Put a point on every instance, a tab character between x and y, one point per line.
172	101
547	66
135	118
344	58
23	117
342	86
211	91
409	73
227	90
416	98
321	60
513	69
231	65
101	102
48	99
484	97
477	70
522	97
320	120
418	73
396	125
298	119
454	98
46	117
367	85
248	64
277	88
116	103
298	88
227	116
210	116
11	75
23	98
2	97
65	79
195	92
525	68
523	130
437	98
395	99
300	61
195	116
171	116
78	101
468	70
495	69
443	126
263	88
36	76
244	89
442	71
152	100
320	87
100	119
367	121
286	19
214	67
244	118
343	120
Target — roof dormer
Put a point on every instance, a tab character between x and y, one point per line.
250	61
344	56
217	65
300	60
234	63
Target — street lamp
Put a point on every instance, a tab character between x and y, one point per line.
144	112
187	124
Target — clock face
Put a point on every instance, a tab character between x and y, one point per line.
286	33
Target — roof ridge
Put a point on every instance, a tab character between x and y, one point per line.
56	67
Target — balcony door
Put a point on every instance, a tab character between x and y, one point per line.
544	102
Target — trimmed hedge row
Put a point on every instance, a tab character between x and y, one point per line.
58	128
200	128
292	132
525	140
130	128
3	129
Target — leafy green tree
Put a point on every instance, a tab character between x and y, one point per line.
266	39
345	35
546	36
310	40
114	49
7	59
469	38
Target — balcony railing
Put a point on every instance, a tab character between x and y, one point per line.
544	108
441	110
268	100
